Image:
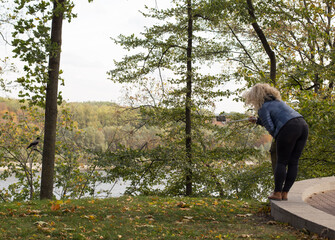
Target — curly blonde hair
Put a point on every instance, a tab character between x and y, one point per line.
259	93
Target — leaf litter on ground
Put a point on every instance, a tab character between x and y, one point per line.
140	217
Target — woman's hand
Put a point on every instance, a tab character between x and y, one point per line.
252	119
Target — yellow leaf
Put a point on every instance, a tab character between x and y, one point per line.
90	217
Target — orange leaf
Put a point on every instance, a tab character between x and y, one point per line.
55	207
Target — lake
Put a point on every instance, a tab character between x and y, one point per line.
117	188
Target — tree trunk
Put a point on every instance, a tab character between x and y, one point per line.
273	68
266	45
50	122
188	128
273	152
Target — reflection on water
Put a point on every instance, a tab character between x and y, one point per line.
115	189
9	181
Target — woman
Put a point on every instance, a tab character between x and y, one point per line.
286	126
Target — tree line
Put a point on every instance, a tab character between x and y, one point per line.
104	142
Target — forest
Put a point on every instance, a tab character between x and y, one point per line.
165	139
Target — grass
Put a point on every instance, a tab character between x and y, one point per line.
142	218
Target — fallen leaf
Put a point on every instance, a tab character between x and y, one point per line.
183	205
41	224
124	209
45	229
55	207
144	225
150	217
33	212
246	235
66	210
244	215
210	218
90	217
69	229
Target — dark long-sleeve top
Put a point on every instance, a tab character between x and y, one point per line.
274	114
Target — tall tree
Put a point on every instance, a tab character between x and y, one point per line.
188	101
48	159
300	34
264	40
39	46
303	37
179	48
273	66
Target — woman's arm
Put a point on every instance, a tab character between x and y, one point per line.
266	120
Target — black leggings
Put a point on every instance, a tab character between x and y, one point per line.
291	140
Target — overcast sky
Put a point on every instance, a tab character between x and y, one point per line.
88	52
